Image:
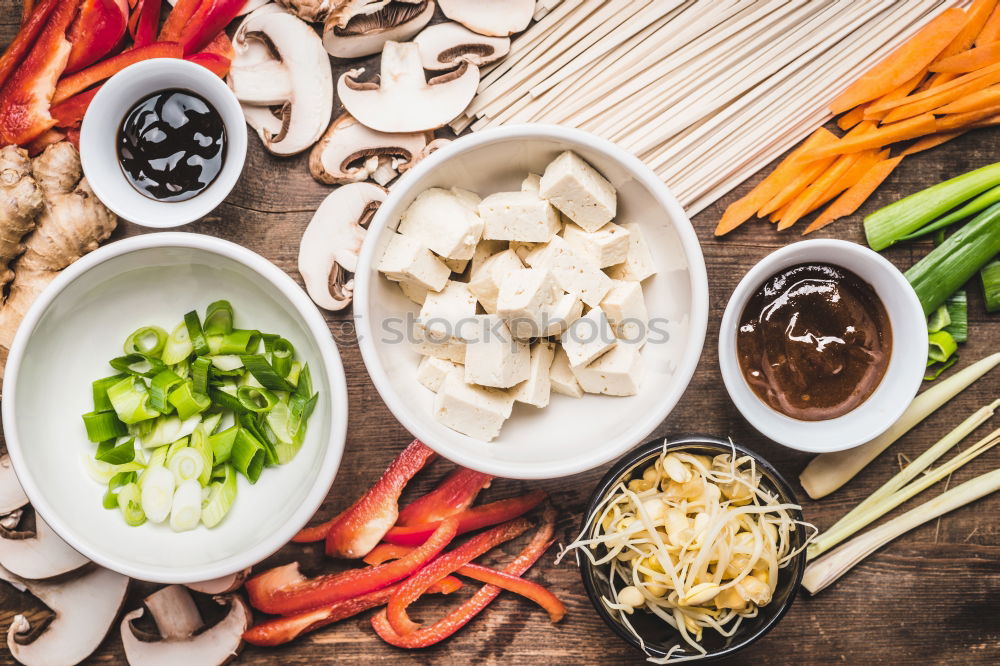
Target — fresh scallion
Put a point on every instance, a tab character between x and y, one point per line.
255	399
957	306
984	200
140	365
264	373
199	374
130	503
238	342
187	402
178	346
934	370
218	318
991	285
195	332
148	340
120	479
130	399
157	486
247	455
282	353
199	444
116	455
185	510
941	346
221	444
103	426
99	389
160	388
221	495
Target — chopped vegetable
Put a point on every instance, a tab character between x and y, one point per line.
856	195
454	495
984	200
991	285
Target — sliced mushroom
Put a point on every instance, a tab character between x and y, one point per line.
445	45
264	84
297	50
332	241
12	496
366	33
248	6
37	554
223	585
178	622
9	521
85	608
309	10
494	18
349	152
402	100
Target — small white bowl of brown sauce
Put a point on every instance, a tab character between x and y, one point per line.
823	345
163	142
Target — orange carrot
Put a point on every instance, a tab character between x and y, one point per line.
934	101
857	114
991	31
905	62
855	196
809	172
931	141
964	84
978	14
956	121
852	117
973	102
969	61
910	128
809	196
778	214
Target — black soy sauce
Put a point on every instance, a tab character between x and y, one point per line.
171	145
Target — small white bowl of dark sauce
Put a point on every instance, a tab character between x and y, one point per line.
163	142
823	345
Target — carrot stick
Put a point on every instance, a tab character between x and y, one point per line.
810	172
744	208
857	114
809	196
855	196
973	102
905	62
934	101
910	128
852	117
970	61
932	141
964	84
991	31
978	14
778	214
956	121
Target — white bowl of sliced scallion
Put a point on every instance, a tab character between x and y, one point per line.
213	403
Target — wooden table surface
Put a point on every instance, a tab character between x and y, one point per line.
930	597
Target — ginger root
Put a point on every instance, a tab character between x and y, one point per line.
20	203
68	224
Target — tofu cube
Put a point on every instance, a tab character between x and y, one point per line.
618	372
444	311
522	249
588	337
605	247
561	377
493	357
626	310
518	216
535	390
412	291
470	199
573	273
638	264
485	283
443	222
456	265
567	309
579	191
471	410
485	250
432	371
439	346
526	300
532	183
406	259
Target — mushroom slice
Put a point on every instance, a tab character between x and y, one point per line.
264	84
402	100
85	608
39	554
248	6
366	34
349	152
223	585
177	621
12	496
306	113
494	18
332	241
445	45
309	10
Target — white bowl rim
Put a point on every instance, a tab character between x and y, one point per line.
334	446
791	432
698	322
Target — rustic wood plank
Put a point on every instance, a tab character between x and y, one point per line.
930	597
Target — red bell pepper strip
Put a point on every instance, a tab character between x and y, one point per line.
418	583
458	618
27	93
26	7
98	28
361	527
143	21
221	46
75	83
177	18
211	18
315	533
69	113
31	25
212	62
281	630
453	495
475	518
284	590
44	140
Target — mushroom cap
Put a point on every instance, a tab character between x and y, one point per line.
494	18
366	34
342	11
344	153
332	241
308	10
12	496
445	45
85	607
39	554
261	84
402	100
223	585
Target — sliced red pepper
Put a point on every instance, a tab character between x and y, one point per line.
475	518
26	8
458	618
25	97
73	136
211	18
456	493
44	140
177	18
98	28
143	21
69	113
75	83
315	533
33	21
418	583
212	62
284	590
221	46
361	527
284	629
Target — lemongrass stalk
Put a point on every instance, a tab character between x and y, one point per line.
849	524
824	571
829	471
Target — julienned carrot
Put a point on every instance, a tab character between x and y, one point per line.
933	102
809	196
910	128
866	160
854	197
991	31
905	62
959	87
852	117
957	121
978	14
972	102
857	114
932	141
743	209
971	60
808	173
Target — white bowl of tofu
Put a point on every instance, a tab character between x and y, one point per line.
531	301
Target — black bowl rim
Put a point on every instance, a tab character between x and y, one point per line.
628	461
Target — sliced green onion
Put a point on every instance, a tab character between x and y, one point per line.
186	464
160	388
148	340
218	318
268	339
102	426
159	457
984	200
221	444
211	422
304	386
957	306
199	374
280	420
120	479
256	399
252	422
227	362
221	495
940	346
183	369
157	486
938	319
226	399
264	373
130	503
178	346
175	448
99	389
935	369
140	365
169	429
293	373
187	402
185	510
239	342
116	455
130	399
247	455
991	285
199	443
198	342
282	353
